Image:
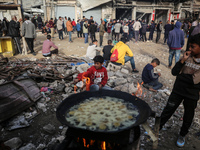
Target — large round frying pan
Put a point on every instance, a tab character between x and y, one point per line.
143	108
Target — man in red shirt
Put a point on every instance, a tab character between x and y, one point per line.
46	49
97	74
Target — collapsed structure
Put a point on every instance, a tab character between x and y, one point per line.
111	9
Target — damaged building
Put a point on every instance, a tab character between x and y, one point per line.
111	9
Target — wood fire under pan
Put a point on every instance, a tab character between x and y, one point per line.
16	96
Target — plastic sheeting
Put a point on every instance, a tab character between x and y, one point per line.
89	4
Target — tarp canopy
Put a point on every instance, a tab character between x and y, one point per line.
35	10
89	4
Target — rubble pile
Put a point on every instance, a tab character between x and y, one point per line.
56	83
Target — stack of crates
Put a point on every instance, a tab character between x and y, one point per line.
7	46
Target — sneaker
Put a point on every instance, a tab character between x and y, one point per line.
181	141
33	53
135	71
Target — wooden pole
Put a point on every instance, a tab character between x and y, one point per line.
24	50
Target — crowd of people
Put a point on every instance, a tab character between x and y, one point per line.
187	69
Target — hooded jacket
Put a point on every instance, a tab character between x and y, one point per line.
176	37
123	50
28	29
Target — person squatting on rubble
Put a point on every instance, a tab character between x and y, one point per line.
107	52
186	88
14	32
28	31
121	54
93	50
150	78
46	49
97	74
175	42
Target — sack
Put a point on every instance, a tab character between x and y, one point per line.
114	56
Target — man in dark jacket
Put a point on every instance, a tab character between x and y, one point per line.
152	28
159	30
33	20
167	28
92	30
175	42
39	20
143	31
14	32
172	23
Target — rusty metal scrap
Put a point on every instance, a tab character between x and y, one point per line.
42	68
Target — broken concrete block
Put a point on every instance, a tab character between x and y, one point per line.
132	88
113	67
118	88
125	71
60	138
110	74
49	128
120	81
13	143
29	146
41	147
41	106
119	74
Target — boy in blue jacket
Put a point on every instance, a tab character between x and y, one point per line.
78	28
150	78
175	42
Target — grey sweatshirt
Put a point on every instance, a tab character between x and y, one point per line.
28	29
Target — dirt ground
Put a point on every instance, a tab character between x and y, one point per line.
143	54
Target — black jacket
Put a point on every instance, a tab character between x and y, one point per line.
184	84
106	52
92	28
13	29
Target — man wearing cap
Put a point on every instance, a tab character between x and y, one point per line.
159	30
28	31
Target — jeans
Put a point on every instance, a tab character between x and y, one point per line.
189	110
70	36
86	37
171	55
130	35
39	25
60	33
95	87
30	44
117	36
151	35
131	59
136	35
155	84
158	37
101	40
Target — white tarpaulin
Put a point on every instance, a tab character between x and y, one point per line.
89	4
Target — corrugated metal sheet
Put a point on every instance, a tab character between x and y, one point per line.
95	12
63	11
89	4
17	96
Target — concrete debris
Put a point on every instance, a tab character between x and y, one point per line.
60	138
29	146
125	71
13	143
41	147
49	128
42	106
16	123
120	81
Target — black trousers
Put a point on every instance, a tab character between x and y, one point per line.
144	38
189	109
79	34
92	36
126	36
101	40
151	35
166	37
158	37
30	44
18	44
